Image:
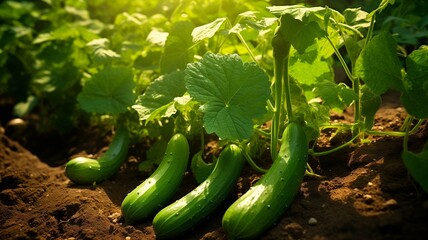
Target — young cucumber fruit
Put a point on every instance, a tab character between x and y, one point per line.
257	210
185	213
159	188
82	170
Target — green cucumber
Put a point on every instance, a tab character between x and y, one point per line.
82	170
185	213
263	204
155	192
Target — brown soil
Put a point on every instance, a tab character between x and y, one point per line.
366	193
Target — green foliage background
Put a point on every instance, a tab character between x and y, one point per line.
52	49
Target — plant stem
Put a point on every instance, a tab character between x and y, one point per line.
406	125
406	136
355	86
341	60
247	47
250	159
319	154
311	173
281	51
286	90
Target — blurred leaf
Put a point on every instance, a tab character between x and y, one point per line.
14	9
101	52
208	30
23	108
382	7
104	56
157	37
99	43
177	51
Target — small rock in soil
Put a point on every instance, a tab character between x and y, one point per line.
312	221
368	198
391	203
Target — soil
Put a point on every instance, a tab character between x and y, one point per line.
366	192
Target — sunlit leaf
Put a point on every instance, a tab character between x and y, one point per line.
104	56
177	52
233	93
158	100
109	91
378	64
208	30
300	34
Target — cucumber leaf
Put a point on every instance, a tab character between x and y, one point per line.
178	50
208	30
370	103
158	101
232	94
415	95
417	164
300	34
101	53
110	91
378	64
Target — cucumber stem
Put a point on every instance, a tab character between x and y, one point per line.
250	160
319	154
406	136
281	51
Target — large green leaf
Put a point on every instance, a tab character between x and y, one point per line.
301	34
415	95
158	100
378	64
177	52
310	67
233	93
110	91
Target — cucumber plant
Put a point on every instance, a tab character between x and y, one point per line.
280	72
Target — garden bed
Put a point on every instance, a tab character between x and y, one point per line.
367	192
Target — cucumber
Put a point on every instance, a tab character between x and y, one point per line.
82	170
262	205
155	192
185	213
